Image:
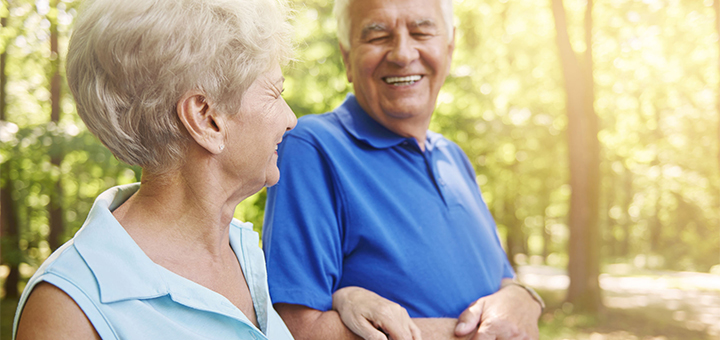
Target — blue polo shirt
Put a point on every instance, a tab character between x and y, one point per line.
126	295
358	205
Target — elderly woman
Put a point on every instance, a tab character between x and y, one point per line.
190	91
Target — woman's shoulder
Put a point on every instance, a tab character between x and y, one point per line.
66	264
64	278
50	311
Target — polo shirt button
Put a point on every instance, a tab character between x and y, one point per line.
442	182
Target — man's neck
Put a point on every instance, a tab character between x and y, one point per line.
412	127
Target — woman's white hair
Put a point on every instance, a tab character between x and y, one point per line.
341	10
130	61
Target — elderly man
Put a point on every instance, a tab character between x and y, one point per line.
374	206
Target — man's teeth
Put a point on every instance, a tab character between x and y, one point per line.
399	81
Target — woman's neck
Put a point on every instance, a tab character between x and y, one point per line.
173	211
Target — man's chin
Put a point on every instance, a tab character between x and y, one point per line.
403	109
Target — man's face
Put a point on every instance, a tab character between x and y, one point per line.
399	57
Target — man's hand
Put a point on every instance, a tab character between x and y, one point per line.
373	317
510	313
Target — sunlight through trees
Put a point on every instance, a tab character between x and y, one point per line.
621	98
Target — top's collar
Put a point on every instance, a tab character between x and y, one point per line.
124	272
122	269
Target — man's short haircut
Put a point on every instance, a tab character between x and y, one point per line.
341	10
130	61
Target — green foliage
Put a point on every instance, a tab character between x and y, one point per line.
316	82
656	85
87	169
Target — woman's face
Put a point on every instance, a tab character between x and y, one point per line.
255	132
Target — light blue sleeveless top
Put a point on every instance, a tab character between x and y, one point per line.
127	296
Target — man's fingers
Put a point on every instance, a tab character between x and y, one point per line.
495	329
470	318
398	332
395	321
415	330
373	317
485	332
365	330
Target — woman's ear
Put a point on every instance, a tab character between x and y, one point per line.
201	121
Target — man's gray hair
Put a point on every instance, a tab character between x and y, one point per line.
341	10
130	61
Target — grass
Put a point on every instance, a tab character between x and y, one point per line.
559	322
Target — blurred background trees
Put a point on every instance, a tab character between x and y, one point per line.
589	123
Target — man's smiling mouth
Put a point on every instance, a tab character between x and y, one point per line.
402	81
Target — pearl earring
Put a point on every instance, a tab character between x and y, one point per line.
222	147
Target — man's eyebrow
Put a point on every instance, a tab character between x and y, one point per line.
423	23
372	27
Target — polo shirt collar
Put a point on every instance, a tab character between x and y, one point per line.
123	271
363	127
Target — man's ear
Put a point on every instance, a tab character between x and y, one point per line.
346	61
201	121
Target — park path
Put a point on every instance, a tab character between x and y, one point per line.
692	298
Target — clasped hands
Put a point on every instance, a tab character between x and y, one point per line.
509	314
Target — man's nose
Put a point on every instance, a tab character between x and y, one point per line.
403	51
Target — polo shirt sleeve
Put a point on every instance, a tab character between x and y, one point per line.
301	232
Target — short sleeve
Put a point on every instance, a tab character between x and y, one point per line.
301	232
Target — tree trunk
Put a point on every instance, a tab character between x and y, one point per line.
547	237
10	235
516	241
8	213
626	219
57	224
584	158
609	224
716	5
655	223
514	230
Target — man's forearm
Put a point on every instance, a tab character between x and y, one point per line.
438	328
308	324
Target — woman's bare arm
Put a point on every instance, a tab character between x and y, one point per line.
51	314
